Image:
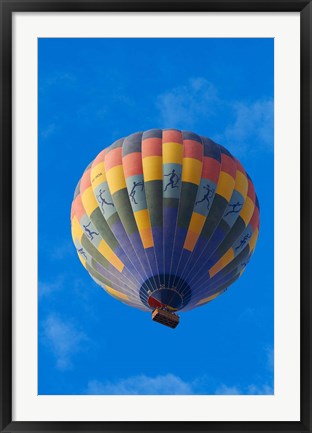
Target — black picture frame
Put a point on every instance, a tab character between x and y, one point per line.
7	8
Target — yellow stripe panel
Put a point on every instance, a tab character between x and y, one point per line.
210	298
192	169
225	185
190	240
89	201
225	260
144	226
247	210
98	174
172	153
197	222
253	240
83	261
147	237
109	254
241	183
77	231
152	168
116	293
116	179
142	219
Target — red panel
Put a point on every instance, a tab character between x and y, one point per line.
255	219
211	169
77	208
239	166
228	165
152	302
193	149
85	181
132	164
251	191
151	147
113	158
172	135
99	158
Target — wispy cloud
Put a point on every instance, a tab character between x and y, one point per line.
253	122
168	384
247	126
48	130
265	388
249	390
227	390
55	78
270	358
63	250
186	105
63	339
46	288
260	390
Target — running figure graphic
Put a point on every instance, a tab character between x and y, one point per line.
243	241
102	199
173	181
234	206
133	191
81	251
207	196
244	264
89	232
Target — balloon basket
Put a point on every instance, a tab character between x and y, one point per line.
165	318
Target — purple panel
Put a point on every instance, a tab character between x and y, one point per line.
150	253
170	219
112	276
185	256
195	258
158	247
122	237
140	251
179	240
129	268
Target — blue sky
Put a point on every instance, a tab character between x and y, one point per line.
92	92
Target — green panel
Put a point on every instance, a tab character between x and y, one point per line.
171	202
125	212
231	237
154	199
213	219
187	199
98	276
113	219
102	226
94	252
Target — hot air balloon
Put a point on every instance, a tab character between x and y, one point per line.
165	221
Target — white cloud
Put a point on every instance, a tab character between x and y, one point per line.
248	126
45	288
249	390
57	78
260	390
168	384
62	251
63	339
48	130
227	390
252	126
270	358
184	106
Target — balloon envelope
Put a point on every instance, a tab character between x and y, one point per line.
165	219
